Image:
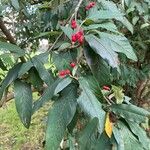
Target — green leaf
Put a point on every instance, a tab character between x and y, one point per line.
47	96
4	46
63	84
64	46
67	31
25	68
43	73
130	112
118	93
112	8
35	79
126	23
101	47
103	143
95	87
23	101
140	133
119	138
86	136
65	58
129	139
60	116
106	25
90	104
10	77
99	68
104	14
15	4
119	43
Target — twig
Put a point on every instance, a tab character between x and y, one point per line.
76	10
73	15
8	35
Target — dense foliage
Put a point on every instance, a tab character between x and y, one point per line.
94	70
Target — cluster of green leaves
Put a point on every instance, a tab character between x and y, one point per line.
83	114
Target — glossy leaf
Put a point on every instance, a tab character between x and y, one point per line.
68	31
140	133
90	104
101	47
25	68
129	139
119	43
10	77
103	142
85	137
35	79
130	112
4	46
46	96
43	73
99	68
104	14
119	138
60	116
23	101
108	26
63	84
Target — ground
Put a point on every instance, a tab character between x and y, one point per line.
14	136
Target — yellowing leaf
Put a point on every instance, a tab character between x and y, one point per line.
108	126
118	93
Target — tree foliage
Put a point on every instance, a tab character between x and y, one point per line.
97	53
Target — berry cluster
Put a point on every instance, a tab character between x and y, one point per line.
78	36
90	5
63	73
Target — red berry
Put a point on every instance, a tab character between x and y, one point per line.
81	40
87	7
72	64
92	4
67	71
106	88
78	35
81	32
62	73
73	38
73	24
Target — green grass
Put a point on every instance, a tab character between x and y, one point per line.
14	136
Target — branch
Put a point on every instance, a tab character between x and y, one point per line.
8	35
